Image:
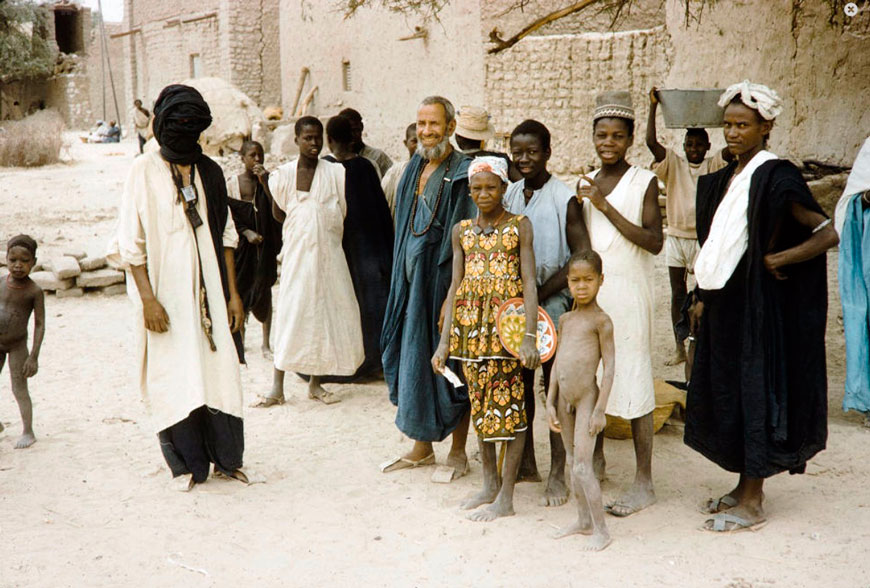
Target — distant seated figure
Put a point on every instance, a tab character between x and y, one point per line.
99	133
113	133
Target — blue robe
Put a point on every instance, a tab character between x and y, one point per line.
854	288
429	408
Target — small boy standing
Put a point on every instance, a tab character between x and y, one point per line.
19	297
680	175
575	404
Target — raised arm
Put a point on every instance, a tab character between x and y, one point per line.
819	241
440	357
652	141
578	240
649	236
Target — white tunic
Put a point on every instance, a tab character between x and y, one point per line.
626	295
178	370
316	329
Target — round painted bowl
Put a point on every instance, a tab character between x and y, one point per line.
511	324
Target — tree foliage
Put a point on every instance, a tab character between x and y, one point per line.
25	51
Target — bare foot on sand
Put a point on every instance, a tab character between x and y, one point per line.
556	493
491	512
638	497
678	357
267	353
485	496
25	441
459	463
597	542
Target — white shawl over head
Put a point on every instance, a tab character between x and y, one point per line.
859	181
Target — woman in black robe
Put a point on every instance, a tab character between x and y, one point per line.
757	399
259	237
367	241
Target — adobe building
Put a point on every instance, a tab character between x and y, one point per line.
383	63
167	42
80	86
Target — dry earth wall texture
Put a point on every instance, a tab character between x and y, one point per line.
819	68
236	40
387	77
99	81
554	79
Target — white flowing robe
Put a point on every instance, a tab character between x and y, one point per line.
316	329
626	295
178	370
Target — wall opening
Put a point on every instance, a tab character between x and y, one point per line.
195	65
345	76
68	30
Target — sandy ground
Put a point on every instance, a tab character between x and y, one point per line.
88	505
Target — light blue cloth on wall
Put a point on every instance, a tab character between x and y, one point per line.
854	271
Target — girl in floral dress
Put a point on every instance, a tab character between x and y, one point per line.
493	261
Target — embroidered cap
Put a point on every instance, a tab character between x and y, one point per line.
616	103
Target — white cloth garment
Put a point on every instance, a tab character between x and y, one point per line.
729	232
859	181
178	371
548	211
316	329
626	295
756	96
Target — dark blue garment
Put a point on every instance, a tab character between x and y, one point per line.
429	408
854	288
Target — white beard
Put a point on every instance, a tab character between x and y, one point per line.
435	152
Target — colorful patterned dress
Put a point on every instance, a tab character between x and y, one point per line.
494	377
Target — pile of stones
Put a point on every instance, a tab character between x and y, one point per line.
74	274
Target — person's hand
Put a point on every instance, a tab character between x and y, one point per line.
591	192
597	422
553	418
529	356
654	96
156	319
439	360
695	313
252	237
235	312
30	367
261	173
771	263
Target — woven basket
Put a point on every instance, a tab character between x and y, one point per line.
667	397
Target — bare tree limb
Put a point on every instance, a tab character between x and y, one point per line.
502	44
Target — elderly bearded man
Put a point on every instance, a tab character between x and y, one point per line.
432	196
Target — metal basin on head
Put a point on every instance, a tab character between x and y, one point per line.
697	108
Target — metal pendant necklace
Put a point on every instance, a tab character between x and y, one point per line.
491	228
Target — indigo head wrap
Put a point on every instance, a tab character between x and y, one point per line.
180	115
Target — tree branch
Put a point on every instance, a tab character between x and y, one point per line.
502	44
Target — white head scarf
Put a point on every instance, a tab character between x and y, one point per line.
858	182
491	164
756	96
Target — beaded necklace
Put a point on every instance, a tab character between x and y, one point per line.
437	199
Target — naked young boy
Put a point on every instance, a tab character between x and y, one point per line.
575	403
19	297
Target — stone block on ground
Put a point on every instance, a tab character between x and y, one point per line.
71	293
64	267
99	278
115	290
78	254
50	282
89	264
